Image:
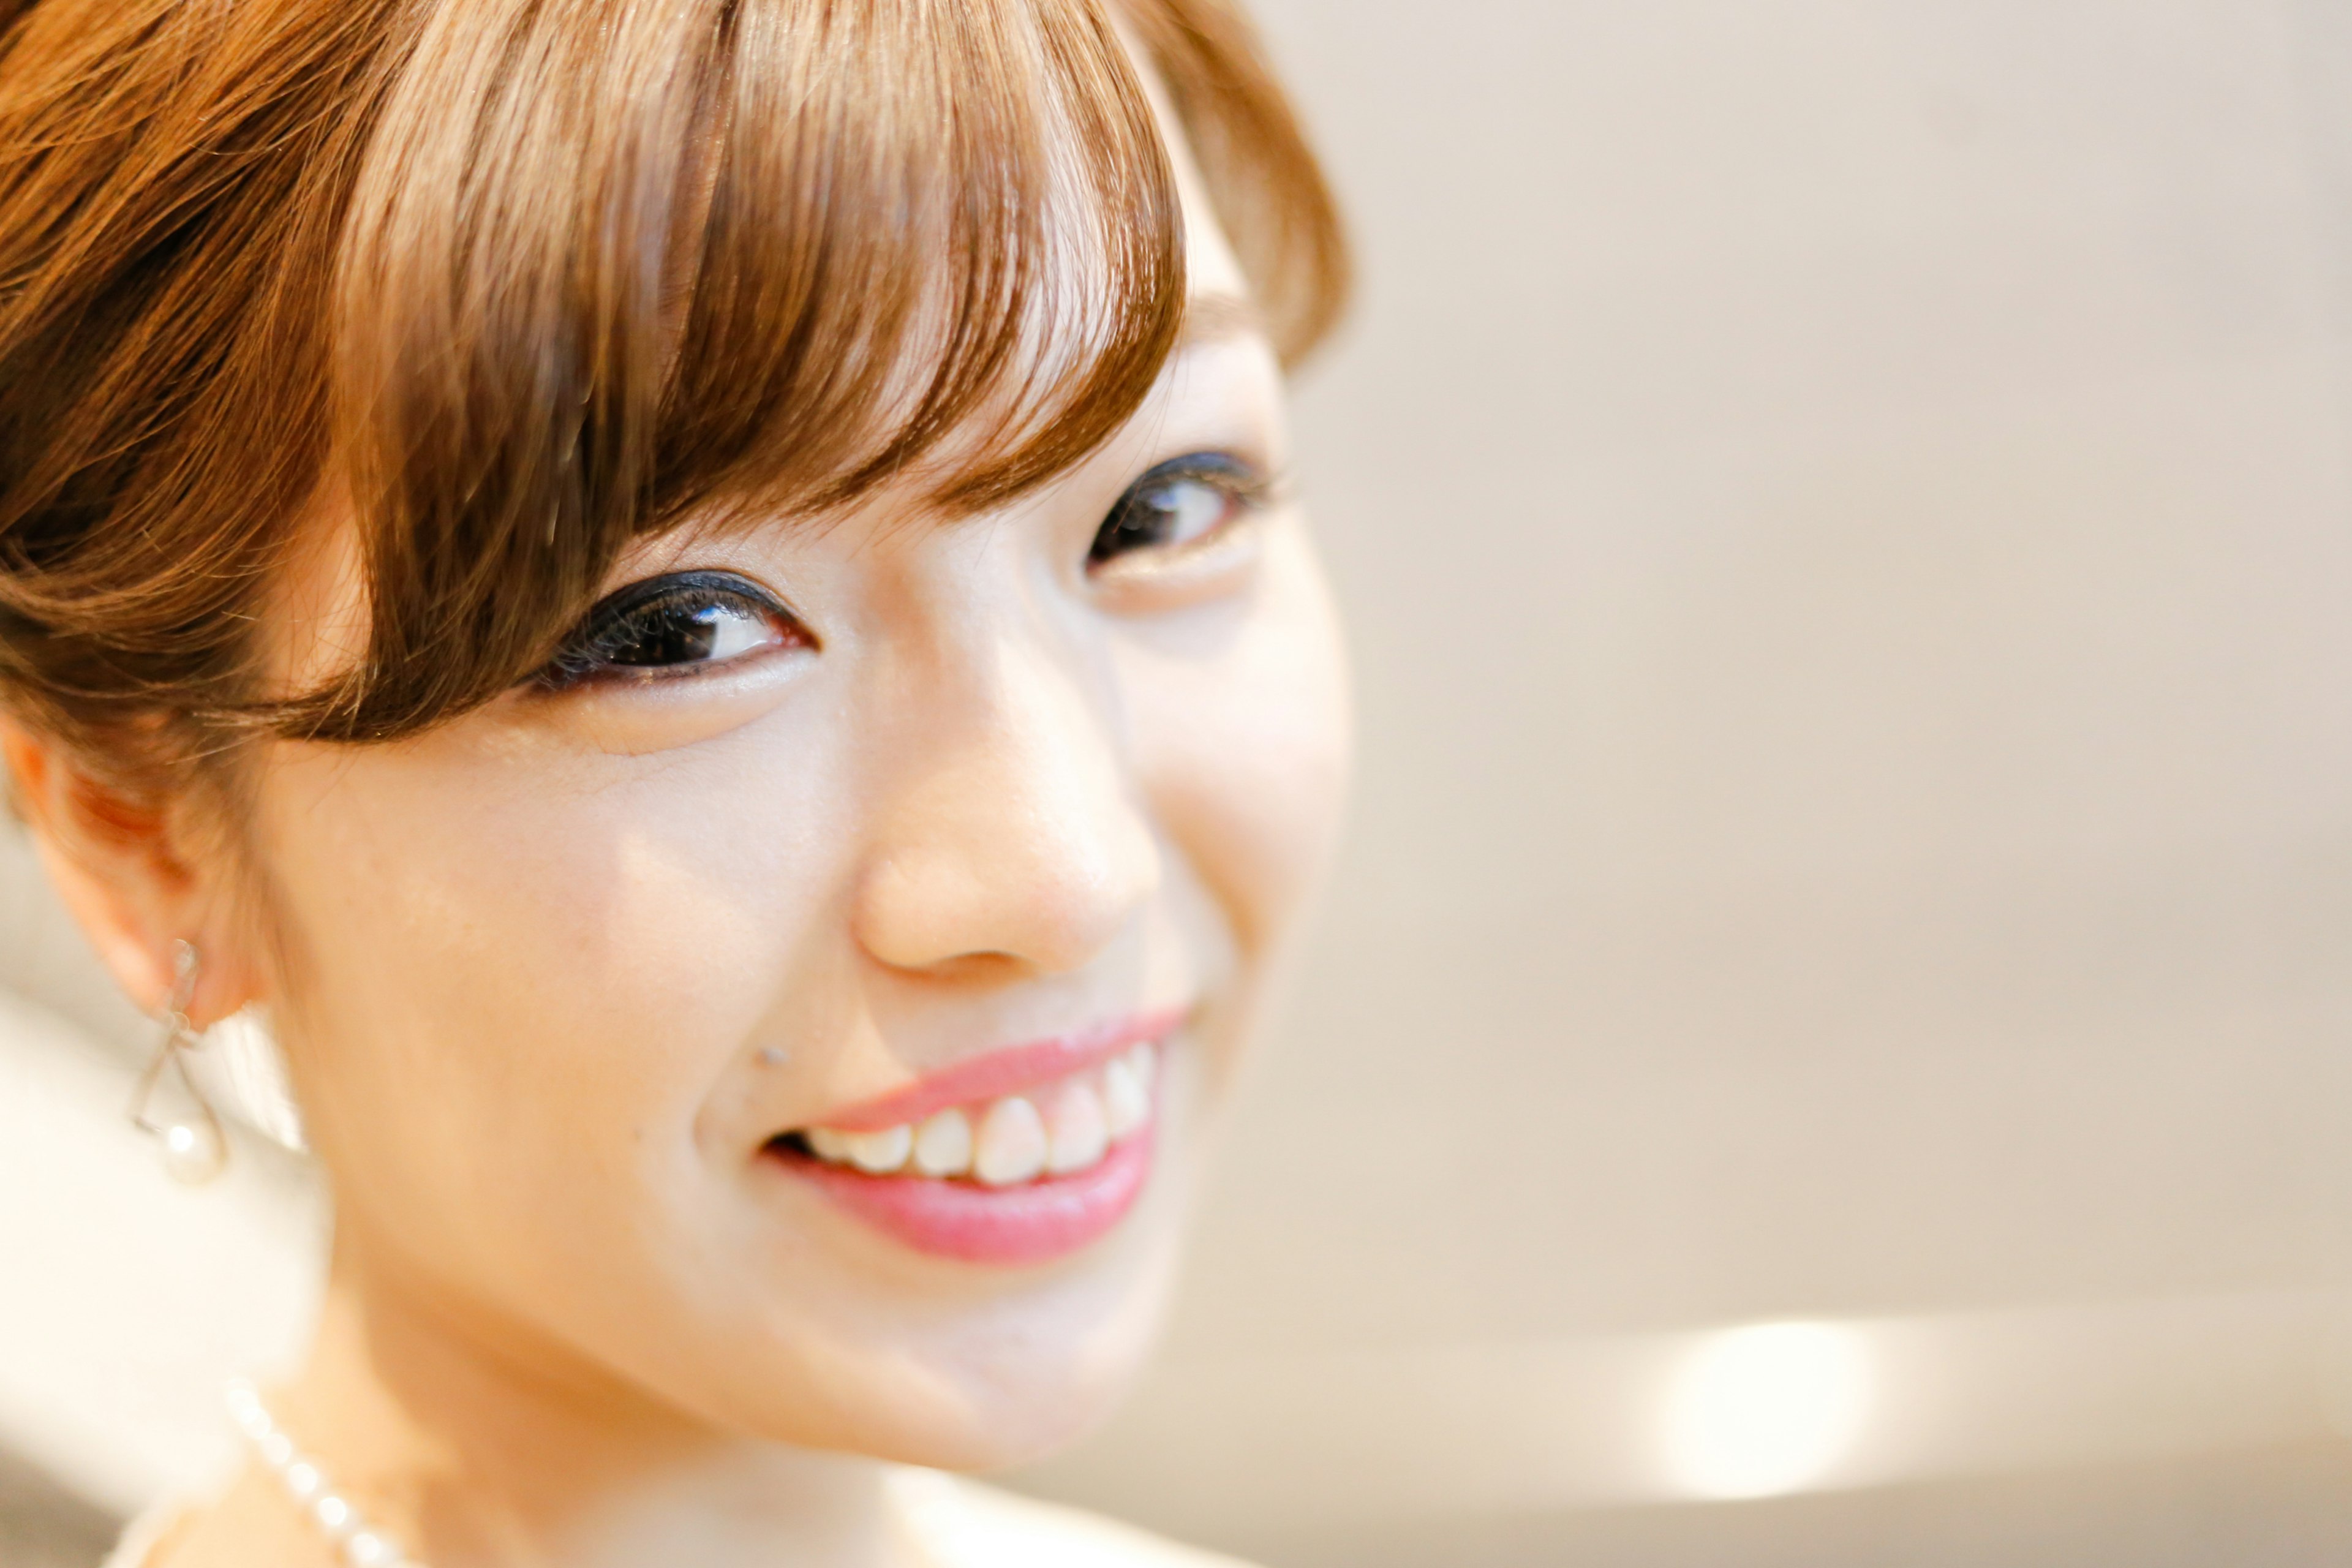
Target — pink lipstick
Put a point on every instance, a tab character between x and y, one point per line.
1019	1155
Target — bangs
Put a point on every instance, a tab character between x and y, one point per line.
609	267
519	282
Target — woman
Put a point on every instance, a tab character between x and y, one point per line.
699	600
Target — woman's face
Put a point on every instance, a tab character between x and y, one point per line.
929	845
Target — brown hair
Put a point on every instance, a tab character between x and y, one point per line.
528	280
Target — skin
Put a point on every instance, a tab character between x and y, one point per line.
549	975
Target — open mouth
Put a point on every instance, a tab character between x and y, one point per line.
1007	1175
1068	1128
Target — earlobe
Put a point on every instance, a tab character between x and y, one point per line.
114	865
129	952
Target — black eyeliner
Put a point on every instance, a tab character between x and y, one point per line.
587	649
1237	477
1241	482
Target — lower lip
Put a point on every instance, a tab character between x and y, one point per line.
1036	1222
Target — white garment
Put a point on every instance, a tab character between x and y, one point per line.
960	1523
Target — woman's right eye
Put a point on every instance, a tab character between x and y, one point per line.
681	624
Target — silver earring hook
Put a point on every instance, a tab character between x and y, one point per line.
195	1146
184	965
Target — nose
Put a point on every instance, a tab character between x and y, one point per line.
1006	830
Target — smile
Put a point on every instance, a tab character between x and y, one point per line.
1018	1156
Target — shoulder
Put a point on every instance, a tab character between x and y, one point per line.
967	1525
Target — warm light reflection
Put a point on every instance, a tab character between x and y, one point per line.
1758	1411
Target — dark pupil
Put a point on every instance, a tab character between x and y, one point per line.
668	634
1144	518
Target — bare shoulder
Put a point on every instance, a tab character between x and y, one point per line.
247	1524
968	1525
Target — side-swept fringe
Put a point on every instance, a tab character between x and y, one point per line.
520	281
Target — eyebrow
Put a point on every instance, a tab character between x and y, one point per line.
1214	316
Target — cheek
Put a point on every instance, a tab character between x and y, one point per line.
519	976
1242	740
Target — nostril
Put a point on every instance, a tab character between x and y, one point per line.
1018	835
1003	915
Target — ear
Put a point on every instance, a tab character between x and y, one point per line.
136	878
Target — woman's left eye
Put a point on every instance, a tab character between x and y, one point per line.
677	625
1179	502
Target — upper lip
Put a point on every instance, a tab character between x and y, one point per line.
1006	1070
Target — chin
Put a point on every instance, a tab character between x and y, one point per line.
1010	1367
1023	1384
1006	1429
975	1412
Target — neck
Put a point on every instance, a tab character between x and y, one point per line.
476	1448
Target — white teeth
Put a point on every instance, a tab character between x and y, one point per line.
1012	1145
876	1153
1077	1130
1013	1142
943	1144
1145	1060
1126	1103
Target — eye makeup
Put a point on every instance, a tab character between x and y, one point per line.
677	625
1178	503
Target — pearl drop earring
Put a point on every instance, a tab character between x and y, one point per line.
194	1145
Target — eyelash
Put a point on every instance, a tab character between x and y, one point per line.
596	649
1242	484
594	652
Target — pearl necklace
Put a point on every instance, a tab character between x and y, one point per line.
361	1543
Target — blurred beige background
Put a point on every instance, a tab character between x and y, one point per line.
1845	515
1845	512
